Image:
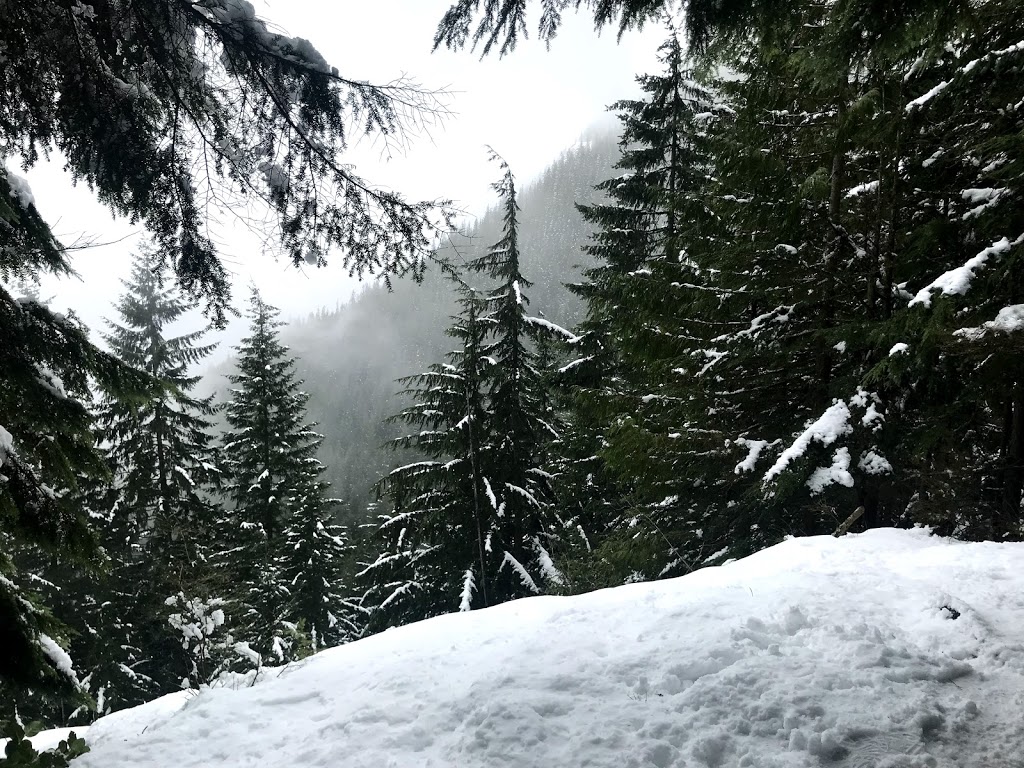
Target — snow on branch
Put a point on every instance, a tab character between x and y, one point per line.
19	189
547	325
826	429
525	494
958	281
527	580
6	444
468	587
837	474
547	565
1008	320
754	449
926	97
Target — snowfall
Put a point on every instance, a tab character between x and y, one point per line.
890	649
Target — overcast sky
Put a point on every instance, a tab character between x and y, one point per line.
529	106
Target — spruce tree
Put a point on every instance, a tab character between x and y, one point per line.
136	99
434	556
279	514
165	470
518	485
314	567
640	446
472	524
47	445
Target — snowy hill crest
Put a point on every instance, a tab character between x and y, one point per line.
889	649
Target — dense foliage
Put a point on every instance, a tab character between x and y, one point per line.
801	313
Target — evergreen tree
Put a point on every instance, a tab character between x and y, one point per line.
136	98
46	447
165	470
313	567
472	524
161	449
434	556
511	459
277	523
639	445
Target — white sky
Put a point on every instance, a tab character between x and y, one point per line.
529	106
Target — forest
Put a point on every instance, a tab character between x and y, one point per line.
782	299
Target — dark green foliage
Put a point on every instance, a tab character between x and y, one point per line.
19	752
737	377
156	519
136	97
46	447
313	569
350	358
471	525
280	556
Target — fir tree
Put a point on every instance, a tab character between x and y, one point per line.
472	523
511	459
434	556
640	445
46	446
165	471
313	568
136	99
279	508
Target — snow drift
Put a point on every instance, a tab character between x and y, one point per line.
891	648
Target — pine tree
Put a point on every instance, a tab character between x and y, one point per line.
46	446
434	556
472	524
511	459
640	446
165	471
161	450
136	99
272	482
313	568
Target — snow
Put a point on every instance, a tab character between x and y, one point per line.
863	189
20	190
754	448
554	328
837	474
6	444
958	281
826	429
900	348
873	463
925	98
238	18
890	648
1008	320
58	657
468	587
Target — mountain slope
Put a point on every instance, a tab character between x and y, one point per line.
891	648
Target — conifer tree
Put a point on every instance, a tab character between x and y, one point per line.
472	524
652	302
511	459
158	524
434	557
313	568
46	445
277	499
161	450
136	98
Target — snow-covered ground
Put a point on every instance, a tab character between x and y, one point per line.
889	649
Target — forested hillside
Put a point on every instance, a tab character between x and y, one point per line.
800	311
352	357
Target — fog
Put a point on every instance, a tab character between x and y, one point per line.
529	106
